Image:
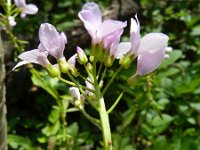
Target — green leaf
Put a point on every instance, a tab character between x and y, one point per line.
51	129
73	129
42	80
195	106
169	72
191	120
16	141
54	115
158	121
195	31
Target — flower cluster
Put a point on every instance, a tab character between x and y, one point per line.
22	8
149	50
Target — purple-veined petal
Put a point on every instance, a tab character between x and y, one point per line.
108	40
72	60
51	40
35	56
152	42
122	49
20	3
74	92
63	41
63	37
91	14
134	35
109	27
31	9
92	18
148	62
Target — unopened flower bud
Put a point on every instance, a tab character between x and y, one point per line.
126	61
63	65
108	61
91	58
74	71
89	67
101	84
53	71
82	58
78	104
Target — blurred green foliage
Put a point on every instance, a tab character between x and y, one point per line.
161	112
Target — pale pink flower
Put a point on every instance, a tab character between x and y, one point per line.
149	50
104	32
51	40
24	8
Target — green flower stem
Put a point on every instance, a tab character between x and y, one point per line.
81	90
103	75
104	119
86	79
88	72
73	84
99	70
12	37
95	121
105	125
111	80
116	102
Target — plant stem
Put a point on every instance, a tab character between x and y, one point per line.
73	84
104	119
105	125
92	120
116	102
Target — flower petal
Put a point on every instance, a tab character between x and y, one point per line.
31	9
89	86
74	92
35	56
122	49
63	37
20	64
109	27
72	60
134	34
41	47
148	62
92	18
12	21
108	40
152	42
20	3
23	15
51	40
